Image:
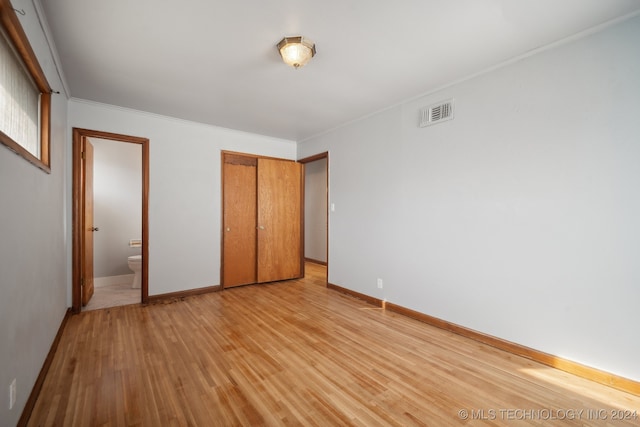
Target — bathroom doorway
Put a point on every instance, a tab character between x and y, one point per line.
110	217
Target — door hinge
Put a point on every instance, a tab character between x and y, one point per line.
83	156
82	282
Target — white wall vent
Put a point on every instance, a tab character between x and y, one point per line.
436	113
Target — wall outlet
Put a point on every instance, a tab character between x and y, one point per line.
379	283
12	394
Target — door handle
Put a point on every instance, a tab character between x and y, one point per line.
261	227
94	229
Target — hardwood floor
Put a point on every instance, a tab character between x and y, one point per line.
297	353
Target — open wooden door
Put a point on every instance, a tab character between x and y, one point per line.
279	220
82	224
88	228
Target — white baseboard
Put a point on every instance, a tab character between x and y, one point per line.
125	279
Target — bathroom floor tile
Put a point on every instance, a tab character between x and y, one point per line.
112	296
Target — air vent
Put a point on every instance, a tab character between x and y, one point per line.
436	113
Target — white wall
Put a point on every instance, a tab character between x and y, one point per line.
315	210
184	188
117	205
519	218
33	246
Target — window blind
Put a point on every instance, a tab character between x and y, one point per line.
19	101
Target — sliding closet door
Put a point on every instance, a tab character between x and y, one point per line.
279	220
239	220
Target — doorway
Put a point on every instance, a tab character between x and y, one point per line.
316	212
84	228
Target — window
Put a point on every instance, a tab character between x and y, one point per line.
25	95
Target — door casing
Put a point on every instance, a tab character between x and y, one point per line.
304	161
78	193
253	160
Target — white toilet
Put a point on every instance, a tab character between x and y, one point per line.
135	264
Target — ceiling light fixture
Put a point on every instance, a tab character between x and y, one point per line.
296	51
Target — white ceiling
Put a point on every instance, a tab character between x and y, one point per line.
215	61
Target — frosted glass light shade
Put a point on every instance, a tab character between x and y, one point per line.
296	51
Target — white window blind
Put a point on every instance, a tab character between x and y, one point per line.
19	100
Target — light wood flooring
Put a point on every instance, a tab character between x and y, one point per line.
297	353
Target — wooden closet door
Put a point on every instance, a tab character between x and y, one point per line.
279	220
239	220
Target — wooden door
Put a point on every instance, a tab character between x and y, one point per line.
279	220
239	220
87	267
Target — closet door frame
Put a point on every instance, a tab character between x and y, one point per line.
225	153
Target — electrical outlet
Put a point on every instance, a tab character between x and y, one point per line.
12	394
379	283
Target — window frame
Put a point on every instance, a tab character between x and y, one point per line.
18	39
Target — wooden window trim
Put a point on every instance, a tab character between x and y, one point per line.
18	38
